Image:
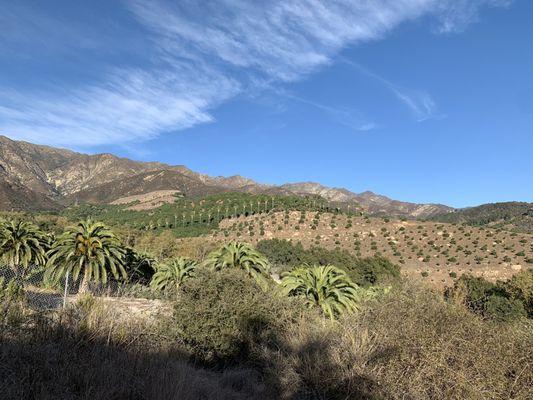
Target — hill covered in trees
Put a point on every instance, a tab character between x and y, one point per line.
509	215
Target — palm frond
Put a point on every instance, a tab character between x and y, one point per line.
324	286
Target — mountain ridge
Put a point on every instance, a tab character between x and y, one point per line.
36	177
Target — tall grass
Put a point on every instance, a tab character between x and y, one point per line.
408	345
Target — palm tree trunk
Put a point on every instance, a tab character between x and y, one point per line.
84	287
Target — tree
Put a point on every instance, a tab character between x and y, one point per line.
90	248
140	266
22	244
324	286
241	256
172	274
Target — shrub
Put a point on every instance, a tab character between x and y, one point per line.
221	316
282	252
373	270
364	272
520	287
501	301
503	309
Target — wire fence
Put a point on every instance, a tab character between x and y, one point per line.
37	292
41	294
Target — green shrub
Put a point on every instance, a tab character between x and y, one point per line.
503	309
222	316
520	287
501	301
373	270
282	252
363	271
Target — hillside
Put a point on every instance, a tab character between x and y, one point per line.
516	216
436	251
34	177
439	252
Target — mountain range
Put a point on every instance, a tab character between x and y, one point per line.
36	177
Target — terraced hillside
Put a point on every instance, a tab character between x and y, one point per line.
437	251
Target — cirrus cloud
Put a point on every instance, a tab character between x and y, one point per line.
199	57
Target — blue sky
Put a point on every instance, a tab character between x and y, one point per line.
420	100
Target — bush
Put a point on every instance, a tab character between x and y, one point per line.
282	253
374	270
222	316
363	271
501	301
409	345
502	309
520	287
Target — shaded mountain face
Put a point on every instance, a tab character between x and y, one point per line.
513	215
34	177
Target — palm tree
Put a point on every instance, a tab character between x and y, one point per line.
325	286
242	256
172	274
22	244
140	266
90	248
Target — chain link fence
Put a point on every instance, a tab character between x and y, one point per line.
40	294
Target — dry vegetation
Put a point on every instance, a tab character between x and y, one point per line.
148	201
408	345
219	332
439	251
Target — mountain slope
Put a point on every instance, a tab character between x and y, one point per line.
145	182
510	215
373	203
42	177
17	197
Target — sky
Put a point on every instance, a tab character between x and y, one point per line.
429	101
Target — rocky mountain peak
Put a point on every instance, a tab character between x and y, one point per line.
35	176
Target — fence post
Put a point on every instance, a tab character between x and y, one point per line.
66	290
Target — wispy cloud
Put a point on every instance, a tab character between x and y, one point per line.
418	101
350	118
132	105
197	58
455	16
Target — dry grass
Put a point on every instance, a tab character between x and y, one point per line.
92	352
410	345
